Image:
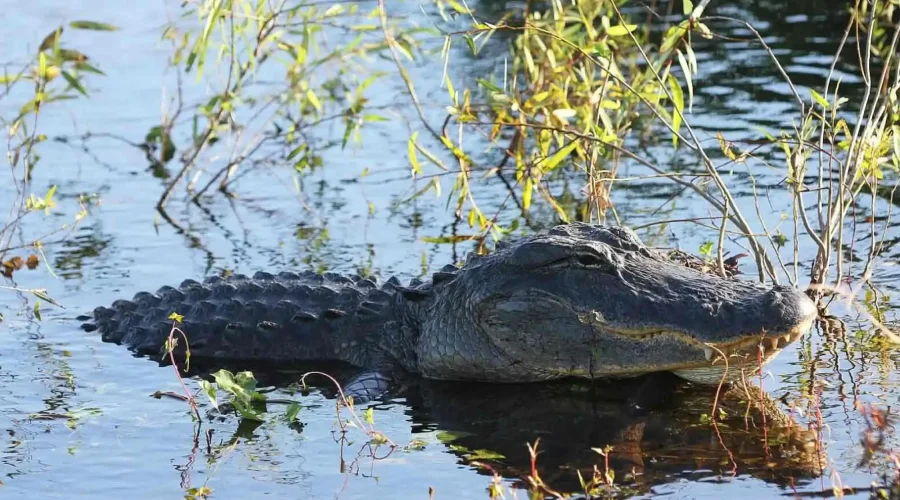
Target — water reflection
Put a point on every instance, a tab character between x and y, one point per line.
672	440
660	429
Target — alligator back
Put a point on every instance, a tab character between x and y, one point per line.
272	318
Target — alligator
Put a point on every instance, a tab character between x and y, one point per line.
577	301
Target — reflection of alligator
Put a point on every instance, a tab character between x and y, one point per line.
672	441
659	429
578	301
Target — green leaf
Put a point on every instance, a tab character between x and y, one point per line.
819	99
74	83
313	99
451	91
347	131
447	239
895	135
42	294
678	103
431	157
42	65
458	7
471	43
241	385
488	85
526	193
673	35
93	25
687	7
292	411
51	40
411	152
621	29
7	79
299	149
556	158
83	66
210	391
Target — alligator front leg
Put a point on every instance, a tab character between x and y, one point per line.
367	386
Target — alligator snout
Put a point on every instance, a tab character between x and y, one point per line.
788	309
773	319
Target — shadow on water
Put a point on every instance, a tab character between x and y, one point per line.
662	442
657	429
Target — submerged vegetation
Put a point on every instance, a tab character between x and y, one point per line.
572	101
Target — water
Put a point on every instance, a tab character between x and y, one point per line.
79	417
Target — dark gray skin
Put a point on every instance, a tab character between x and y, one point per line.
578	301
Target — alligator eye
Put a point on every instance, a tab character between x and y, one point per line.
590	260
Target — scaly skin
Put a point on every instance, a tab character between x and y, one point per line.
578	301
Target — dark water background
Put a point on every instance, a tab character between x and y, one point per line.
125	443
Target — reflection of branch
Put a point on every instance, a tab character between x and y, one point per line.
235	79
195	242
230	165
227	233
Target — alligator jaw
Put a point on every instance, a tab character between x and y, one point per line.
732	362
709	362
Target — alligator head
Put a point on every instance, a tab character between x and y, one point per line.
588	301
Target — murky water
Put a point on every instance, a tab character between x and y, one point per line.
79	418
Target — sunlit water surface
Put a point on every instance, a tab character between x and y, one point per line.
78	414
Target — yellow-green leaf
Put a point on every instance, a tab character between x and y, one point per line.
74	83
313	99
557	157
819	99
458	7
895	135
451	91
92	25
411	151
556	206
678	103
607	104
431	157
621	29
526	193
7	79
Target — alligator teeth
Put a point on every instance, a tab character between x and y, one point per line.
773	343
786	337
708	352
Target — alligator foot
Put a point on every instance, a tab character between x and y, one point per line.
367	386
